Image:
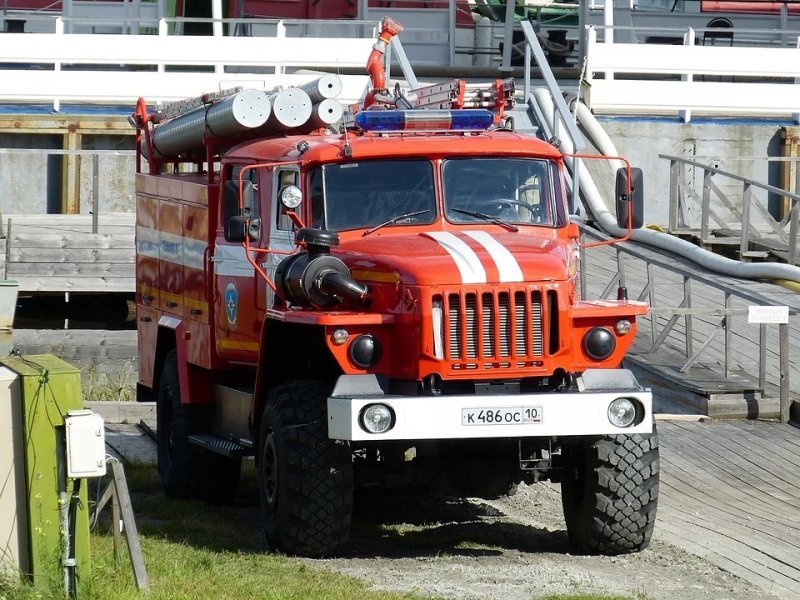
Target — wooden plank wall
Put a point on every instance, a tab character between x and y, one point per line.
59	253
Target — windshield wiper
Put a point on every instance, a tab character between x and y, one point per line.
396	219
495	220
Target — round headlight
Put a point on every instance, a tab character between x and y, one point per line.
377	418
622	412
365	351
340	336
623	326
291	196
599	343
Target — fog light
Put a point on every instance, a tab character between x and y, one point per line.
365	351
340	336
599	343
622	412
623	326
377	418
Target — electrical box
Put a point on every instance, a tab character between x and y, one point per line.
14	543
86	444
49	388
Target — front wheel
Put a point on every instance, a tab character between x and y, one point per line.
610	493
305	479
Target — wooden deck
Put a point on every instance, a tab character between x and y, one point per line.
59	253
730	492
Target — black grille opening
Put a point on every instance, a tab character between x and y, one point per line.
500	327
552	313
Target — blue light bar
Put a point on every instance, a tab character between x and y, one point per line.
473	119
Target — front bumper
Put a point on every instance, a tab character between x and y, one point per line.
448	417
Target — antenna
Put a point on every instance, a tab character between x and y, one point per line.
348	151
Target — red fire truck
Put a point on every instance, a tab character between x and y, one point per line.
389	302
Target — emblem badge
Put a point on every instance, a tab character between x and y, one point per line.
231	303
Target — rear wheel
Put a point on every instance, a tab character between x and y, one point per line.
174	424
186	470
610	494
305	479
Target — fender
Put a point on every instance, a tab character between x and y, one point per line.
195	382
285	351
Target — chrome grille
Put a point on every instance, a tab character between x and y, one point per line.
493	326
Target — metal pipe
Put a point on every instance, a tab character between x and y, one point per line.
327	86
290	108
595	203
323	114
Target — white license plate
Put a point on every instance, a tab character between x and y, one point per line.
515	415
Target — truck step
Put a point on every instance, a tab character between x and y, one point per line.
222	446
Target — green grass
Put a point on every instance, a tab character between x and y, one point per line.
119	384
591	597
193	550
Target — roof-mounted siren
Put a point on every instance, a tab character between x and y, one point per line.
385	121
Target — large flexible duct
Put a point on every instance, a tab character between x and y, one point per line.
595	204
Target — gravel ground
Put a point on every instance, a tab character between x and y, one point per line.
512	548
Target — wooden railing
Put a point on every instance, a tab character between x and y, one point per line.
722	219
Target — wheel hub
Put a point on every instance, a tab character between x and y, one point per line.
269	472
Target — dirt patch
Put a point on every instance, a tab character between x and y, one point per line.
509	549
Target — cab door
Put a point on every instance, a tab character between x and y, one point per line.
238	322
280	230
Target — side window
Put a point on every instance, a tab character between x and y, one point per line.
317	199
283	178
250	175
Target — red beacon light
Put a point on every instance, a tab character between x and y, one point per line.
477	119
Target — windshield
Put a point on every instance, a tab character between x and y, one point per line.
371	193
516	191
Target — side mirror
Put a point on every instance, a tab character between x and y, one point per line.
237	221
633	204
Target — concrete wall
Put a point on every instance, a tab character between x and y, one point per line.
729	144
30	181
33	182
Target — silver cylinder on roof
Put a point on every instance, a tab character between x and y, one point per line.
291	108
327	86
323	114
230	116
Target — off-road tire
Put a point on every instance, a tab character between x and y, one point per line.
305	479
186	470
610	494
176	456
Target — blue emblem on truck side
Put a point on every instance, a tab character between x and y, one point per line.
231	303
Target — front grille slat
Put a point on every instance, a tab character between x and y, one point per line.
492	327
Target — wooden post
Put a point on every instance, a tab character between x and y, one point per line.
71	174
95	192
116	528
122	513
790	175
784	371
